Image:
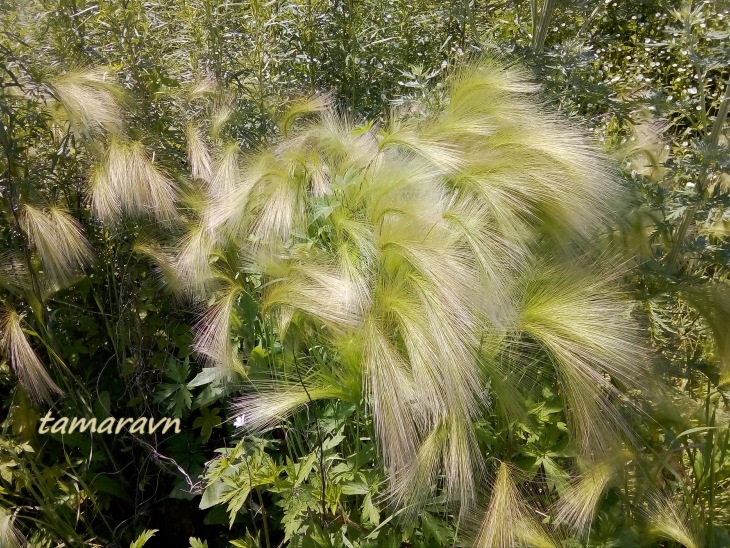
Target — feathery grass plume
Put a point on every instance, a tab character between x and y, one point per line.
226	171
335	145
441	153
301	109
59	240
274	402
213	334
128	182
26	365
201	164
582	321
577	506
393	393
203	87
320	290
164	260
10	537
450	447
531	168
463	463
192	262
91	100
416	484
497	257
667	520
105	204
226	216
508	364
437	335
277	201
507	521
267	203
421	243
207	96
222	109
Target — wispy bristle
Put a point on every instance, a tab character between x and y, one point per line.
392	393
319	290
192	262
213	334
26	364
668	520
222	111
128	182
164	261
507	522
302	108
203	87
90	97
565	310
59	240
271	404
201	165
579	502
225	176
10	537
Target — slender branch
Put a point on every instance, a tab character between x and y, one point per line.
547	16
264	517
194	486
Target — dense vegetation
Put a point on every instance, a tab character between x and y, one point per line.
409	273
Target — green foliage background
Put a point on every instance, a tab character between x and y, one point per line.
648	78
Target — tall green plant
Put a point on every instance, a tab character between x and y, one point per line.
441	263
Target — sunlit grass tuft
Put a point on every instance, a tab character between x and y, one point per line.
59	240
26	365
10	537
128	182
449	252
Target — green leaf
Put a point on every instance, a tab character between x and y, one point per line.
208	420
435	529
332	442
111	486
248	542
304	467
696	430
212	495
370	512
142	539
177	371
237	501
206	376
